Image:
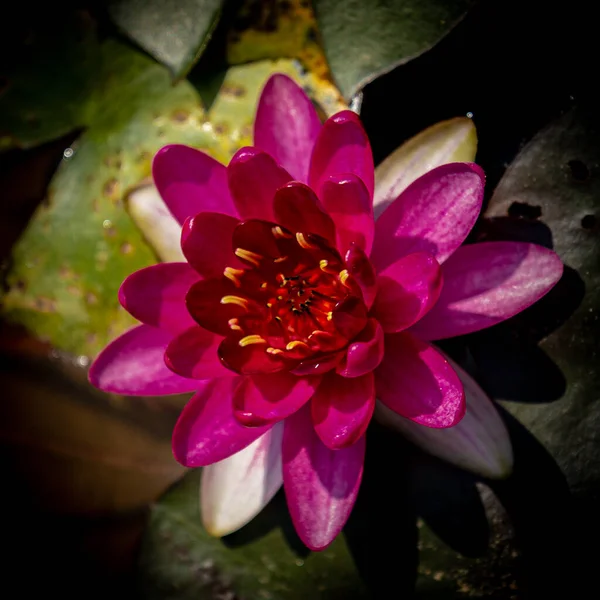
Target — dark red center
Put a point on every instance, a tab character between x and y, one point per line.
288	299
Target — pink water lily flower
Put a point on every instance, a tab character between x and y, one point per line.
296	310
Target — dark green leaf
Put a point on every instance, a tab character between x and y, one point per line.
174	32
179	560
365	39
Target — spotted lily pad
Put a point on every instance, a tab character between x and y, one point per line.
263	560
363	40
82	243
174	32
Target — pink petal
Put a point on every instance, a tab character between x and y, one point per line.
206	431
342	408
134	365
342	146
271	397
347	201
363	272
190	182
233	491
297	208
206	243
320	484
407	291
417	382
319	365
365	352
479	443
194	354
156	295
487	283
253	178
286	125
434	214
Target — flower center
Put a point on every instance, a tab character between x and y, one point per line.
292	301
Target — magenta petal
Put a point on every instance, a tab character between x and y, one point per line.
206	431
206	243
156	295
253	178
434	214
190	181
342	408
417	382
487	283
297	208
342	146
194	354
286	125
365	352
320	484
408	289
134	365
266	398
347	201
363	272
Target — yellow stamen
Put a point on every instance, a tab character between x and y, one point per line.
297	344
280	233
251	339
235	300
249	256
234	325
233	275
304	242
263	285
280	259
323	264
271	350
343	276
329	316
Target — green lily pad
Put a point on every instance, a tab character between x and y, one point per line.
48	83
174	32
264	560
363	40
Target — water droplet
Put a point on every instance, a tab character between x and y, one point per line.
469	115
68	153
299	562
83	361
107	224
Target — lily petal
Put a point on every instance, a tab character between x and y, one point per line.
449	141
156	295
434	214
233	491
320	484
206	431
286	125
479	443
297	208
160	228
253	178
417	382
407	290
190	182
363	272
342	146
134	365
347	200
194	354
342	408
487	283
206	243
365	352
267	398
